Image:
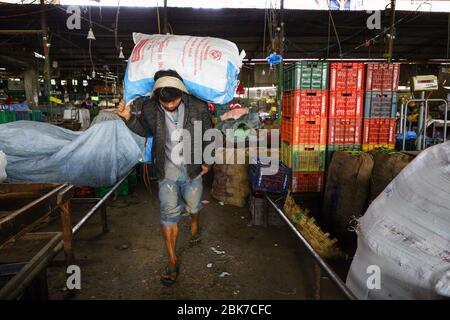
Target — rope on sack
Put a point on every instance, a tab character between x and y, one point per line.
353	224
144	172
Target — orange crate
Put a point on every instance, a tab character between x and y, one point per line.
344	131
382	76
346	76
304	130
308	182
305	103
346	104
379	131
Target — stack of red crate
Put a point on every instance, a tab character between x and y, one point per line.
380	106
304	117
345	107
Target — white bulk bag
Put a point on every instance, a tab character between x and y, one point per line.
405	233
2	166
209	66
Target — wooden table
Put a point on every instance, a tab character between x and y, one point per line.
24	254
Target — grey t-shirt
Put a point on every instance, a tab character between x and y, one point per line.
174	170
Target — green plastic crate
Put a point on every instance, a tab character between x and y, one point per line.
340	147
22	115
306	75
122	191
7	116
302	157
133	178
36	115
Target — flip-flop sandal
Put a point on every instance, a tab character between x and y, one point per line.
195	239
169	276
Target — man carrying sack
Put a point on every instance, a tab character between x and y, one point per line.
170	107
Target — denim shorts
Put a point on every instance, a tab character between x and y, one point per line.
177	197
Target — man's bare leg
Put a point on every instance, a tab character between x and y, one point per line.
195	223
170	235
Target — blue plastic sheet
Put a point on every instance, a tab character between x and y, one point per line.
409	136
19	107
41	152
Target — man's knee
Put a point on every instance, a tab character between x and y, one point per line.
170	208
192	196
169	221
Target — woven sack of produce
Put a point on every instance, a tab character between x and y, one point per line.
231	184
387	165
346	192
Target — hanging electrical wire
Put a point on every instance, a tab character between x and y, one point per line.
157	16
116	26
90	43
272	24
265	28
83	18
328	46
90	58
328	37
384	32
334	28
448	35
90	20
29	13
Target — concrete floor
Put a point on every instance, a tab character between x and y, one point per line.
126	263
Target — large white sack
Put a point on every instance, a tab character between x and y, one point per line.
406	232
208	66
2	166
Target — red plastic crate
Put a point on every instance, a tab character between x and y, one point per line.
305	103
304	130
346	76
346	104
382	77
308	182
344	131
379	131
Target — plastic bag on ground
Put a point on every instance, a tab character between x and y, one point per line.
405	233
209	66
40	152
